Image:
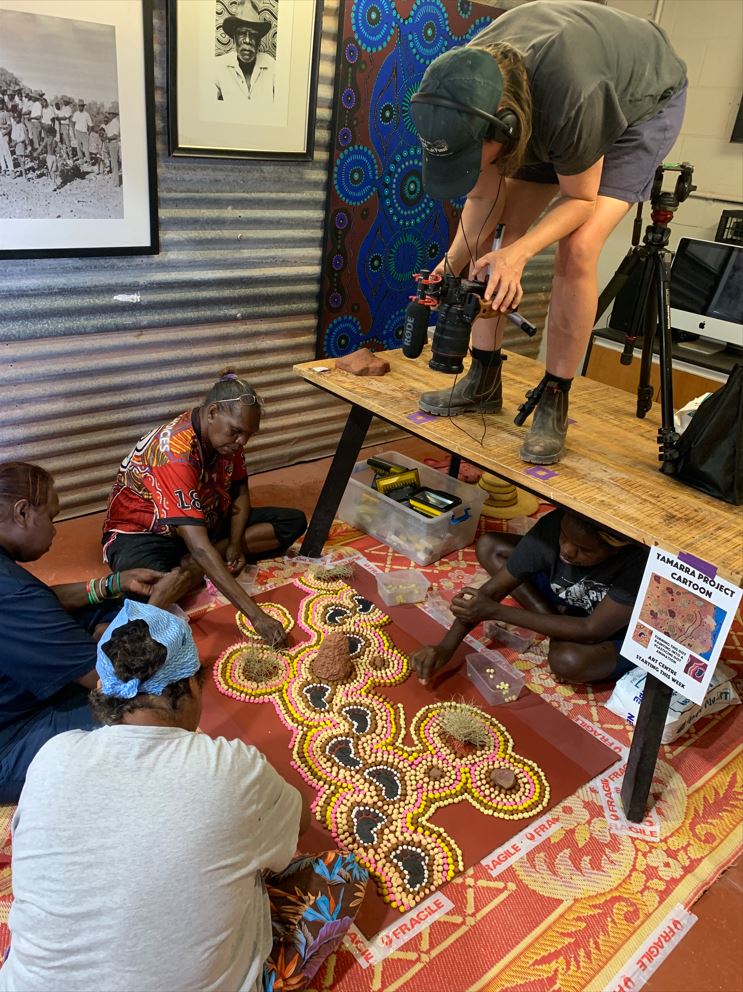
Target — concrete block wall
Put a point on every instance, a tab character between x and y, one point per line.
708	35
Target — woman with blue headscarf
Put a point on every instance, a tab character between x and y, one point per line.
143	851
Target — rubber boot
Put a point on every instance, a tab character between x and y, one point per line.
481	390
545	442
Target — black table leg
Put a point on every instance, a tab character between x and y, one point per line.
455	463
334	486
656	698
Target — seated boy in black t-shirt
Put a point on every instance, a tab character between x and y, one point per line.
577	583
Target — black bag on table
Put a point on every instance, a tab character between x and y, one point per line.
710	451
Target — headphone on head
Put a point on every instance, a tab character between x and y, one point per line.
503	127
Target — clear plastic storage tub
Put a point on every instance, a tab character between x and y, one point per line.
493	677
508	636
422	539
403	586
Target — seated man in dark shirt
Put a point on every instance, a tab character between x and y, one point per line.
577	583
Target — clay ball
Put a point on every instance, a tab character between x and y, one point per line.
504	778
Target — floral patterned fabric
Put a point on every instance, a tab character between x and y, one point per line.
313	903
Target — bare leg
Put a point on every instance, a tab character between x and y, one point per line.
176	583
581	663
493	551
260	539
524	203
572	309
572	314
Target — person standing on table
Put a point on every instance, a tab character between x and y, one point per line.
577	583
49	633
589	100
180	504
145	854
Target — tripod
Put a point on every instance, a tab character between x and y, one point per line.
646	269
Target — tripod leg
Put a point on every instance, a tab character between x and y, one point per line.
616	283
644	389
614	287
644	315
667	436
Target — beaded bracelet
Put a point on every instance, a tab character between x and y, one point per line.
101	589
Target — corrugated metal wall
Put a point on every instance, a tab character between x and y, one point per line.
236	282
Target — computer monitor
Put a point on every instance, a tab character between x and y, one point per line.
707	290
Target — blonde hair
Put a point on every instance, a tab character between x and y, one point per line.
516	97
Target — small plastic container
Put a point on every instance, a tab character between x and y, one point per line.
404	586
492	676
438	608
518	639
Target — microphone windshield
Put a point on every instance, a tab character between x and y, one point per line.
415	331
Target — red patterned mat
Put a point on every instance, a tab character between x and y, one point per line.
575	910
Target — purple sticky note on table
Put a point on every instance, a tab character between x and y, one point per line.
541	472
419	417
701	566
571	421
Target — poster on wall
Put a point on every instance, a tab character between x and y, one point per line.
680	621
380	226
242	77
77	150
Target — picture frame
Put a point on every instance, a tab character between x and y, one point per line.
220	107
78	171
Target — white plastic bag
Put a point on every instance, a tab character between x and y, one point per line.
682	713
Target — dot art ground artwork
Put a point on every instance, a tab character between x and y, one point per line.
421	782
375	792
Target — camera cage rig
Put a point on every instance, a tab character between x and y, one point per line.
459	301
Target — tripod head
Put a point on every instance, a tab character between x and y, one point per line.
664	203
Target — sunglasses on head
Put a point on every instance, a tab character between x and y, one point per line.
248	399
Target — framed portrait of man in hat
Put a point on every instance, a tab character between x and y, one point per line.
77	168
243	77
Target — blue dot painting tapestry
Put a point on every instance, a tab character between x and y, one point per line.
381	228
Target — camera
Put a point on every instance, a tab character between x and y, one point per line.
458	302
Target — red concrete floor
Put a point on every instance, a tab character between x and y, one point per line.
710	958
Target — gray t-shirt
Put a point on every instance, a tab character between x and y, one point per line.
137	854
593	72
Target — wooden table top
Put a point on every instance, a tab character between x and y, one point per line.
609	471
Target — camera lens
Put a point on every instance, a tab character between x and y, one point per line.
450	340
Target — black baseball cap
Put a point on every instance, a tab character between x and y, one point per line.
451	138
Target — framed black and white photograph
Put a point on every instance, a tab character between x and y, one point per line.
77	150
243	77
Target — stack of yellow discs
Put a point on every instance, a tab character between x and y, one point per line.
504	500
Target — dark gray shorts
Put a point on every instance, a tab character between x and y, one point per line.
630	163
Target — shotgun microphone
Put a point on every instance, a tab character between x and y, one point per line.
415	331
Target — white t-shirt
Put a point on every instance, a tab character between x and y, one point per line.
137	854
82	120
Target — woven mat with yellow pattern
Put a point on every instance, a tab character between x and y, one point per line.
570	914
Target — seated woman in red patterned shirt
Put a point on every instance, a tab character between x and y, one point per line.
181	500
